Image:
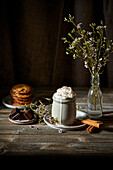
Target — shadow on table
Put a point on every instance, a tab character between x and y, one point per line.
65	161
107	120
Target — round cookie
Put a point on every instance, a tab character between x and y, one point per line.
22	99
22	96
21	89
16	104
22	102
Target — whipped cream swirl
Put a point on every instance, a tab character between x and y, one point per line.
64	93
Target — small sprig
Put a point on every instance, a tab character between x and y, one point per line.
51	119
40	110
92	47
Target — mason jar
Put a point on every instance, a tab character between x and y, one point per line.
64	110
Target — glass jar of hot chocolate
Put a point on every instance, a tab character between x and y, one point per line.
64	106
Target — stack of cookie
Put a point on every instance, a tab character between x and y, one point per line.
21	94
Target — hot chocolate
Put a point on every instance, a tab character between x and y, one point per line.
64	105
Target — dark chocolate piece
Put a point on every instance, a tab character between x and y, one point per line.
16	110
22	117
16	116
28	115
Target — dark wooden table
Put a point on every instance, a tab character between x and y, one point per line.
43	141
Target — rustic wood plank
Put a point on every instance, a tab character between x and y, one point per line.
23	140
70	148
57	138
5	124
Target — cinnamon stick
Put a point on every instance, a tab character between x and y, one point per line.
90	129
93	123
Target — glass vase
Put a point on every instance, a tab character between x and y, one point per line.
95	98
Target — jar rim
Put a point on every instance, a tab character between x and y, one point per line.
67	100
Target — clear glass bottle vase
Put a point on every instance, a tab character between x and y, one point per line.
94	98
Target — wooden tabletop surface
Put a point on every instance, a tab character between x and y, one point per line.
41	140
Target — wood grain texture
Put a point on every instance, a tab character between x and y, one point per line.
41	140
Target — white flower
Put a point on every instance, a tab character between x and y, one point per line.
90	33
75	40
100	59
107	49
73	55
86	66
79	38
71	47
85	56
78	25
93	68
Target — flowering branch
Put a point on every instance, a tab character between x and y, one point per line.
92	47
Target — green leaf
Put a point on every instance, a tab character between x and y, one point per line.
67	53
65	19
63	38
70	35
73	30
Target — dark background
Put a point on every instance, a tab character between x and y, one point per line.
31	50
